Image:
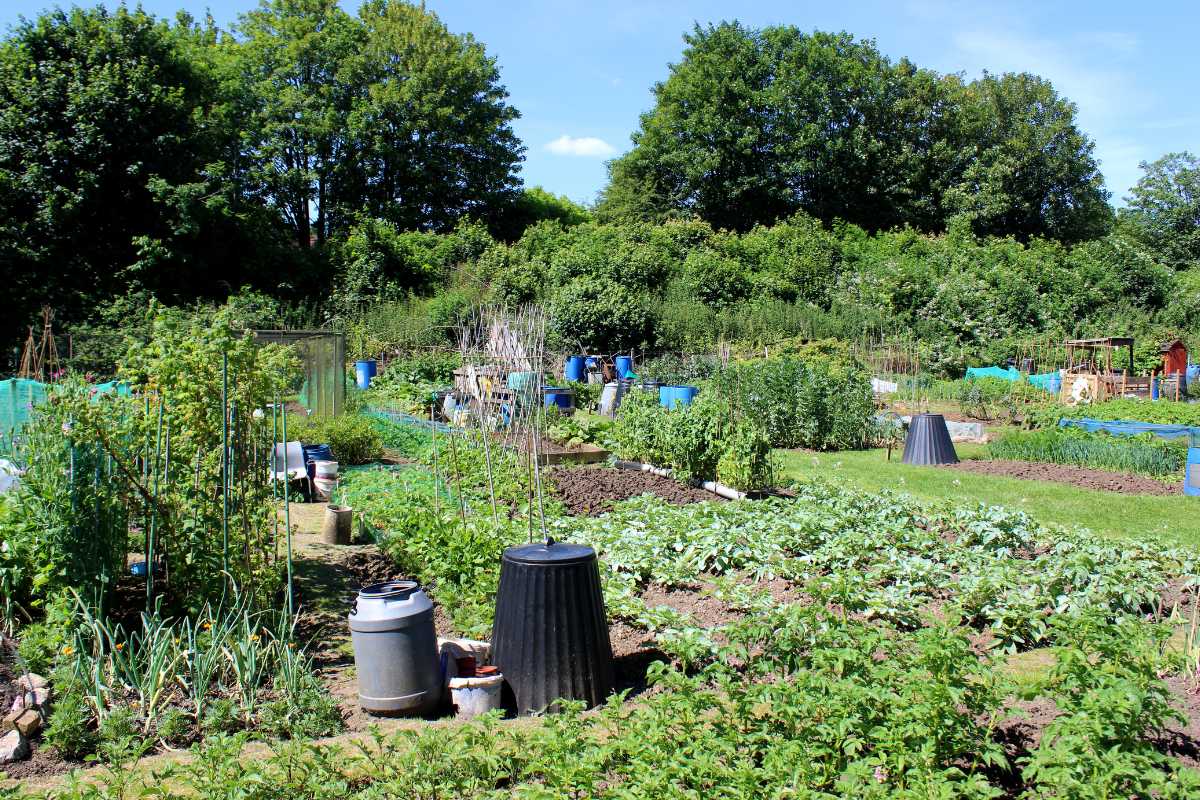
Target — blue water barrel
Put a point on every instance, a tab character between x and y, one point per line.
1054	384
1154	388
676	396
363	372
576	369
592	362
1191	478
558	396
624	365
1193	373
314	453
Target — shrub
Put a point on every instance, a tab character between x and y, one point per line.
816	402
70	730
352	437
747	462
598	315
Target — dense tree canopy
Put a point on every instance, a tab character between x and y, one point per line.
104	156
1164	209
139	154
753	125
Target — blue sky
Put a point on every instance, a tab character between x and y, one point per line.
581	72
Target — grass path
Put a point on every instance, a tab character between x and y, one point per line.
1174	519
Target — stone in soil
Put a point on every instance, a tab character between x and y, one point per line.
1083	477
13	747
592	491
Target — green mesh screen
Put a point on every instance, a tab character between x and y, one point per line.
323	355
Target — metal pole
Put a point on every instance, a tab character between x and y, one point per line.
225	461
158	441
287	517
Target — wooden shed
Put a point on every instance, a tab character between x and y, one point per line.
1174	356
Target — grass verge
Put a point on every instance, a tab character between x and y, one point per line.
1158	519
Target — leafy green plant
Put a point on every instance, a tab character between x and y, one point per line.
352	438
1145	454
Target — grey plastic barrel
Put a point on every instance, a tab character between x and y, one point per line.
395	649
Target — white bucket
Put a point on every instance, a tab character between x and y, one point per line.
326	469
608	399
323	488
474	696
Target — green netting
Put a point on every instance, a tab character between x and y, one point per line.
323	357
18	396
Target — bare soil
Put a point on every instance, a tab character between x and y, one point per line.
1183	741
592	491
1083	477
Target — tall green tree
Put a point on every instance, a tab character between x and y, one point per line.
432	129
1027	170
1164	209
101	139
754	125
294	57
386	113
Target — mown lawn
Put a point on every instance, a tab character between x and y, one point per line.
1171	519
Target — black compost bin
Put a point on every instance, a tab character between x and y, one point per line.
928	441
550	636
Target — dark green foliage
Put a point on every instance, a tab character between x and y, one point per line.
753	125
109	123
1164	209
598	315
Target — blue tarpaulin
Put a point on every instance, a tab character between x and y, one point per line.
1126	427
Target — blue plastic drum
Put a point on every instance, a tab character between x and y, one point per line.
363	372
671	397
559	397
624	365
576	369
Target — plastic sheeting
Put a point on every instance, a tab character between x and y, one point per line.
1126	427
1008	374
18	396
1048	381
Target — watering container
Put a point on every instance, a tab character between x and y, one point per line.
363	372
564	399
575	370
395	649
550	635
624	366
928	441
675	396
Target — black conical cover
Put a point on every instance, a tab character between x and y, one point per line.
550	635
928	441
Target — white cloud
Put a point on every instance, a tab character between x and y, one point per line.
584	146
